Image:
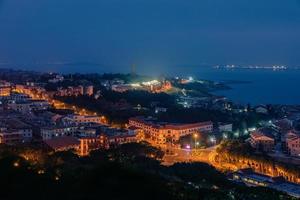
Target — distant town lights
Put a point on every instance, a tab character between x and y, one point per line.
153	82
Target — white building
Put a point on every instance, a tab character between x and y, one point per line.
28	105
82	119
223	127
52	132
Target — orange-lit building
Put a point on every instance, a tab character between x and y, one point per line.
88	144
5	88
293	145
11	137
261	141
89	90
122	139
5	91
169	133
70	91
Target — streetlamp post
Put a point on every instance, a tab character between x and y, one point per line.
195	139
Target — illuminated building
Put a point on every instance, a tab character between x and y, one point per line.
121	88
223	127
261	141
293	145
169	133
251	178
5	88
52	132
86	132
5	91
56	79
154	86
15	136
88	144
122	139
70	91
26	106
10	137
89	90
140	136
75	91
82	119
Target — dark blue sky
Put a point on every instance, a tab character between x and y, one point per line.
150	32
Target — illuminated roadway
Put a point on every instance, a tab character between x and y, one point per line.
184	155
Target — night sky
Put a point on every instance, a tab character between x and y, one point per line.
150	32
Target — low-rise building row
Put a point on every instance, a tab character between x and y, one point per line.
164	133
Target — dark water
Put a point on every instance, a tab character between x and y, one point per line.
261	86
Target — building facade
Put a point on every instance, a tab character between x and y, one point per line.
88	144
162	134
293	145
52	132
260	141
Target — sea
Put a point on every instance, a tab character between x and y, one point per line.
254	86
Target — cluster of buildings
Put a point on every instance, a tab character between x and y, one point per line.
14	130
165	133
25	117
75	91
22	102
292	144
250	178
262	141
154	86
84	139
219	103
279	136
